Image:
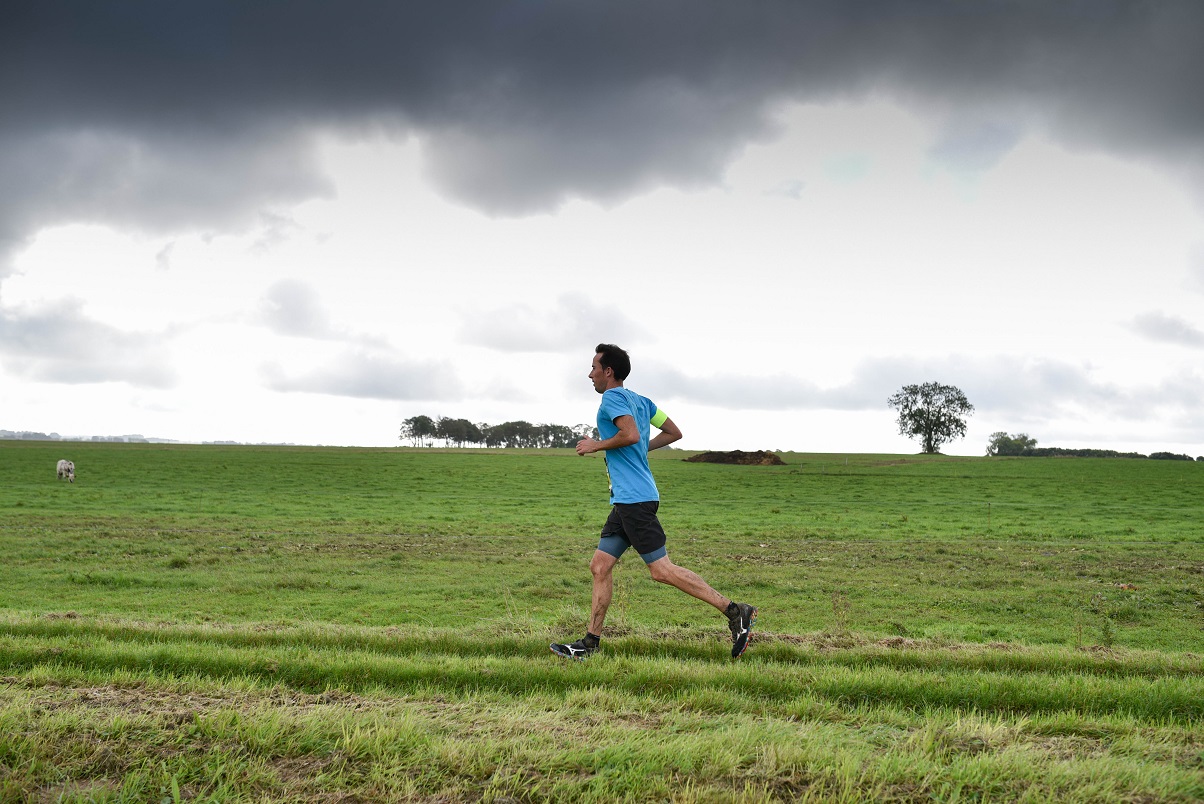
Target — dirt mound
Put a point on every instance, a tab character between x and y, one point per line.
762	458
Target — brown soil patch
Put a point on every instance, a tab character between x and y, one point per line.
739	458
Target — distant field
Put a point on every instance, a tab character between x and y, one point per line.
275	624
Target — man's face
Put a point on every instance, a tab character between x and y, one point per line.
598	375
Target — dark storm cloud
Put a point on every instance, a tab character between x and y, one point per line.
60	344
166	115
147	180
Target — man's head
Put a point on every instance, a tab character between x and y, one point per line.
610	367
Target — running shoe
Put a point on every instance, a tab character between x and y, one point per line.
741	622
577	650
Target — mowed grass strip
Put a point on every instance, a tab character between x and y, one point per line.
767	685
496	641
1173	698
142	734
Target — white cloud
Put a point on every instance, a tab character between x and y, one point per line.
1195	269
1163	328
1030	387
371	375
58	343
163	258
975	145
567	323
291	307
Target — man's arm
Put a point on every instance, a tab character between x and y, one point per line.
669	433
628	434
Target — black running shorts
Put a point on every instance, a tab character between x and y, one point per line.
634	525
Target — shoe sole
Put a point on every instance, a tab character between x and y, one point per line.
555	652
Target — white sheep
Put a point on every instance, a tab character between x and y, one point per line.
66	469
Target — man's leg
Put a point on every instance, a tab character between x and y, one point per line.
665	571
601	566
740	616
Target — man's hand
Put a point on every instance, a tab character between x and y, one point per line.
628	434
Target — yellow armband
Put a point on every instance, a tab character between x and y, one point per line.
659	418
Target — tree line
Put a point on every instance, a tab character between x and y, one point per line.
423	431
935	414
1021	444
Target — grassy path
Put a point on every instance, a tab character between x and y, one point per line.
122	711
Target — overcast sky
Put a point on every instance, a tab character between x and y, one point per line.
305	222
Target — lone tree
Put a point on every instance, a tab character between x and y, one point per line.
932	412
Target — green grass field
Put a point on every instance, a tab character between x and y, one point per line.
323	624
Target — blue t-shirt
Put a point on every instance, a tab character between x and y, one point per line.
630	477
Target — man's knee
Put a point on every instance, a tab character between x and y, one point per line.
601	564
662	570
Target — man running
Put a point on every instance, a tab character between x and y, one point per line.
625	420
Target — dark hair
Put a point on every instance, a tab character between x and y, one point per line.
614	358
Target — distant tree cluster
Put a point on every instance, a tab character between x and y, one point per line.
423	431
26	435
29	435
1020	444
1011	445
935	414
1171	456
